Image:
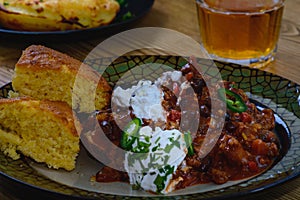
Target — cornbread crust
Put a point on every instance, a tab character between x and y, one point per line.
54	15
44	73
47	131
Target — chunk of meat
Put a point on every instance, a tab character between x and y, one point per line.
219	176
233	150
260	147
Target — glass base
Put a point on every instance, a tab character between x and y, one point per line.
252	62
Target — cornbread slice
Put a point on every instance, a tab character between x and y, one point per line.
46	131
43	73
54	15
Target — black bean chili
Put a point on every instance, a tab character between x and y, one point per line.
246	147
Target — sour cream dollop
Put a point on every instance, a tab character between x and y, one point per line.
145	99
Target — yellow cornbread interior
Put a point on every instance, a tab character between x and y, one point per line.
60	85
37	133
43	84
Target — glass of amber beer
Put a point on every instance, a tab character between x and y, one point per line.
240	31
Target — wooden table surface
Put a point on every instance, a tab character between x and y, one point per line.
179	15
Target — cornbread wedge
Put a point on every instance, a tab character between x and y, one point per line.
46	131
54	15
43	73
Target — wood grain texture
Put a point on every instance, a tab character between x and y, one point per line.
180	15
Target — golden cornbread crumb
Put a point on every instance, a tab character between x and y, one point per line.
44	130
43	73
13	94
9	143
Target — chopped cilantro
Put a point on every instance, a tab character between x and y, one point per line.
127	15
154	148
122	2
160	180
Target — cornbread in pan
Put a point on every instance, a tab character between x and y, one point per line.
54	15
43	73
46	131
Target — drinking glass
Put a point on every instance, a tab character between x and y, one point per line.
240	31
